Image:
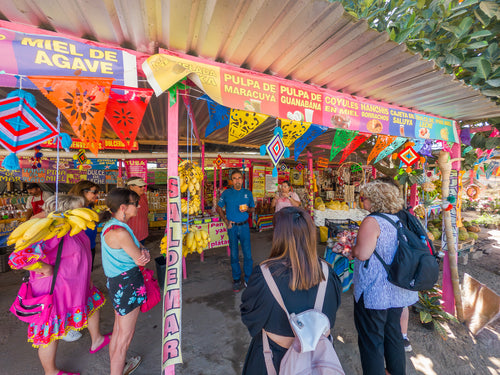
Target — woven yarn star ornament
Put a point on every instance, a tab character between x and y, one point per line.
21	126
81	159
283	167
276	149
299	167
409	156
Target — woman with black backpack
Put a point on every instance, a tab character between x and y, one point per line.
377	302
297	271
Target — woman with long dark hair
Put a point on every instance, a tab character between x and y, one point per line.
122	255
297	270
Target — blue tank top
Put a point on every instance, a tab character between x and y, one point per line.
116	261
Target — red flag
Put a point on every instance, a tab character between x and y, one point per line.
126	107
355	143
82	100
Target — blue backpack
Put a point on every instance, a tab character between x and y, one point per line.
414	266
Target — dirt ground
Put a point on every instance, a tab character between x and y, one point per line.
214	341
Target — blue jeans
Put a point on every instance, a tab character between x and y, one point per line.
240	233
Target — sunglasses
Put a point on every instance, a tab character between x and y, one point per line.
92	191
136	203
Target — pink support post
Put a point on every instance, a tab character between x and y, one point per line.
413	197
204	177
172	169
215	189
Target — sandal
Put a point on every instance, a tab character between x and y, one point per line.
67	373
132	365
107	339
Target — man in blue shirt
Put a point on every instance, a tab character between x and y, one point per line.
238	203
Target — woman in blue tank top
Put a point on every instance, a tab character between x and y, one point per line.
121	256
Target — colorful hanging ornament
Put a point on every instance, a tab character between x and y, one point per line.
409	156
218	162
36	159
81	159
276	149
21	126
299	167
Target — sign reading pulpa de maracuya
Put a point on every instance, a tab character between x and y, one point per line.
47	55
255	92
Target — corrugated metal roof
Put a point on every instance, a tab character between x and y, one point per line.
311	41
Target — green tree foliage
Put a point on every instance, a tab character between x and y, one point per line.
462	37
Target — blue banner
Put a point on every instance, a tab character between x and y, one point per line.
38	54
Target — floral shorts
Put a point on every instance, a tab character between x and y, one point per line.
127	291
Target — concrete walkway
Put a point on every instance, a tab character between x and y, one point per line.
214	341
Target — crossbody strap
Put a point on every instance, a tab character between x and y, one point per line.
56	266
320	297
273	287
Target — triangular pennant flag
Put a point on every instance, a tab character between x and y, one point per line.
242	123
126	107
81	100
218	115
381	144
398	142
356	142
310	135
292	130
341	139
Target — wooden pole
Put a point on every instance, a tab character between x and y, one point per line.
444	163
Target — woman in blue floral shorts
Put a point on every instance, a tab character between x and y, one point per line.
122	255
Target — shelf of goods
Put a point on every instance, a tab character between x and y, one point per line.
6	227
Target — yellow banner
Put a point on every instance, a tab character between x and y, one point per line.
242	123
164	71
293	130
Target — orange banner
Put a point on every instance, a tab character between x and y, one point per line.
82	101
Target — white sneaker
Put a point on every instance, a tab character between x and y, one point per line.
72	336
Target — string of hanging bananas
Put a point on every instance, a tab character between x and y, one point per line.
194	241
164	244
191	179
54	225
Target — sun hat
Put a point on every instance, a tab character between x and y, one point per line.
137	181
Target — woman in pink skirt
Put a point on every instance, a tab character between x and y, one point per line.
76	300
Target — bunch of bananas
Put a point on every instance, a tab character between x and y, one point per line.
164	244
191	178
54	225
195	240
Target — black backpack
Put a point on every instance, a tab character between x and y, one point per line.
414	267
